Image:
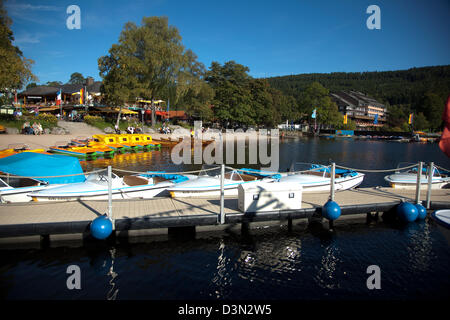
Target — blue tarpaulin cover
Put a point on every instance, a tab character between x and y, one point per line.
32	164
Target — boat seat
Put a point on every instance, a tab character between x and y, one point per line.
320	174
227	175
316	173
135	181
25	182
247	177
159	179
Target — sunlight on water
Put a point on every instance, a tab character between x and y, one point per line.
262	263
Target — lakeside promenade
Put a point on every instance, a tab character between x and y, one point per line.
161	214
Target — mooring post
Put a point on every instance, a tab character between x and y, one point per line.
110	196
222	194
332	176
430	179
419	174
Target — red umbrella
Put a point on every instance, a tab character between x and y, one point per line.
444	144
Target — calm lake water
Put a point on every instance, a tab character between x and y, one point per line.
266	263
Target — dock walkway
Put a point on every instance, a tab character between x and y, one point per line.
64	217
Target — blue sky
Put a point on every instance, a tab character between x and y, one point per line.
272	38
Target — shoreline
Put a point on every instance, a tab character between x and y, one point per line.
45	141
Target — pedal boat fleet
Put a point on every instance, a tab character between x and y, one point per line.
33	176
140	186
105	145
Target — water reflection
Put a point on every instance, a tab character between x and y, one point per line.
112	293
326	275
419	248
221	279
102	263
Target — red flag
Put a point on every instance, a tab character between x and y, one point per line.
58	97
444	143
81	96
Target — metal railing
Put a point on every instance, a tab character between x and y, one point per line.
222	217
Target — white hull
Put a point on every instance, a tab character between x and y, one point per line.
205	187
203	193
409	181
411	186
96	188
442	217
146	192
116	195
321	184
21	194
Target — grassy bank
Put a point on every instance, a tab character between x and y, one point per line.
47	121
102	123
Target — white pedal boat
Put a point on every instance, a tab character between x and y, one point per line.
442	218
317	178
40	169
95	187
17	189
207	184
407	179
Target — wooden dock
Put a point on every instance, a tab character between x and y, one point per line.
53	218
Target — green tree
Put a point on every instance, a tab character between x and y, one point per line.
31	85
153	60
432	107
317	97
198	102
15	69
54	84
232	100
420	122
397	117
117	84
76	78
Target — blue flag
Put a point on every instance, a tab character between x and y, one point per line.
375	121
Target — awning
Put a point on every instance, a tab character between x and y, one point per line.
126	111
48	109
31	164
115	110
149	101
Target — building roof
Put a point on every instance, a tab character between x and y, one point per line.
72	88
39	91
356	98
65	88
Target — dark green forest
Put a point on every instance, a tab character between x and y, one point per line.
422	91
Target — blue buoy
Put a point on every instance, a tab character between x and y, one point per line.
422	212
101	227
407	212
331	210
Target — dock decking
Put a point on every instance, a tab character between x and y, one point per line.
74	217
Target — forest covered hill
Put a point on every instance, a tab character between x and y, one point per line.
417	90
